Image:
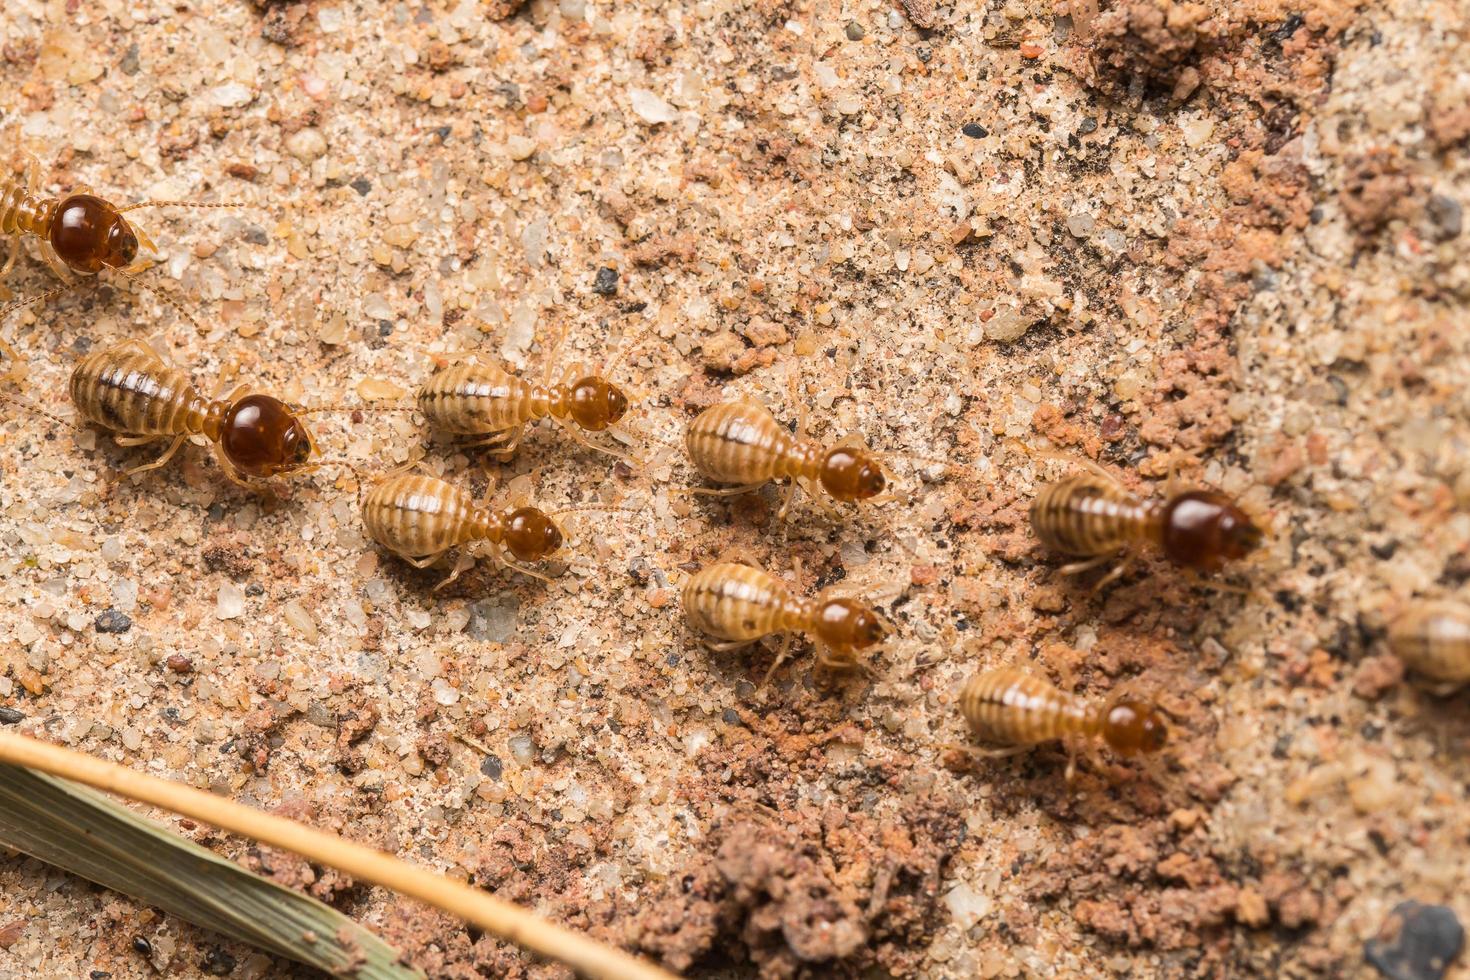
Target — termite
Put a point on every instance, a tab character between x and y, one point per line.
741	442
1011	711
419	517
1093	517
1433	639
80	234
131	391
734	605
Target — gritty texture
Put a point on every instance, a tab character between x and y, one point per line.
1223	240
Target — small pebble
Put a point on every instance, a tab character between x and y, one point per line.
9	716
975	131
855	31
1416	942
179	664
1447	215
230	602
112	621
606	283
306	144
492	767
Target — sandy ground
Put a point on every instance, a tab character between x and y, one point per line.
1224	239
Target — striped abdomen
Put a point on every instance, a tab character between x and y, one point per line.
1012	707
1433	638
23	214
1087	516
737	602
416	516
479	399
129	391
741	442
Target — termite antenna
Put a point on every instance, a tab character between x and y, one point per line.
162	297
339	407
200	205
20	304
34	409
356	473
626	346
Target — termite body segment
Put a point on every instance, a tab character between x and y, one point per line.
1433	639
1093	517
478	399
741	442
1011	710
129	390
735	605
419	517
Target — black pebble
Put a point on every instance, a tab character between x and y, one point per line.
112	621
492	766
142	946
9	716
606	282
1088	125
255	589
975	131
99	975
362	185
1416	942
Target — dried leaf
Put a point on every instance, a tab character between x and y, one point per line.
86	833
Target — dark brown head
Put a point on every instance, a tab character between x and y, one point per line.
1133	727
530	535
261	436
88	234
1204	530
851	473
847	627
595	404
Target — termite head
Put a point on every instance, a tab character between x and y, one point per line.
1133	727
530	535
847	627
595	403
852	473
87	234
261	436
1204	530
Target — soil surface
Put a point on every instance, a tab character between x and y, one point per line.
1218	241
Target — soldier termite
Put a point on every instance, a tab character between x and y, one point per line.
80	234
1091	516
741	442
734	605
419	517
131	391
1432	638
1011	711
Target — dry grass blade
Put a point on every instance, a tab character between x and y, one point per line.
500	918
89	835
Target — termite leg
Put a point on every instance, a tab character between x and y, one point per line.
17	373
786	500
494	439
14	254
458	571
724	646
550	365
1078	567
977	752
498	553
780	659
167	455
423	562
571	430
720	491
128	442
1118	571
